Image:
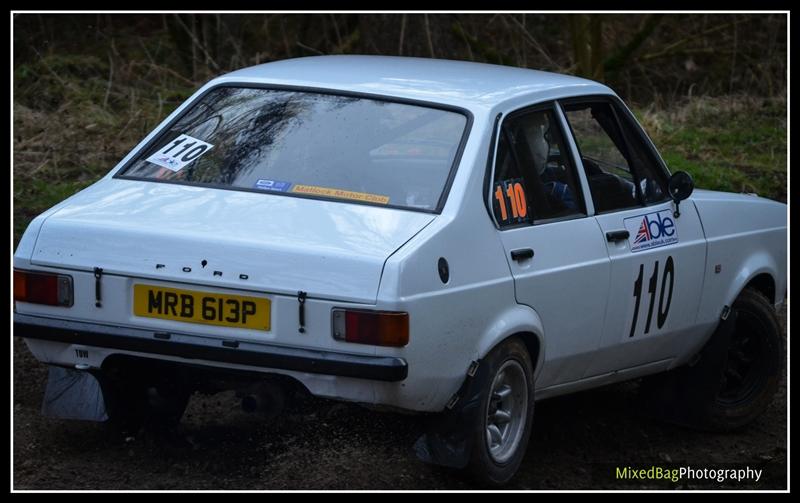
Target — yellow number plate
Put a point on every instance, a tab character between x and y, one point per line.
201	307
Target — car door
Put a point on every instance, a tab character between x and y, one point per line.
555	250
657	256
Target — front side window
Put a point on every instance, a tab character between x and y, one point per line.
310	144
621	172
534	179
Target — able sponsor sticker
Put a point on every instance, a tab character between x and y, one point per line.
340	194
651	230
275	185
179	152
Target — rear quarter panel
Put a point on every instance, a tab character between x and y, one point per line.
452	323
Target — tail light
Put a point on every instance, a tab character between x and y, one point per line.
43	288
379	328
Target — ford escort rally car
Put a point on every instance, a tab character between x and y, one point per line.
441	237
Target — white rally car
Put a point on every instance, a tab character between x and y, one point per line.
433	236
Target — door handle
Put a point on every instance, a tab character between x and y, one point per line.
521	254
617	235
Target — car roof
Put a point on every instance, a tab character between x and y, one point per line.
459	83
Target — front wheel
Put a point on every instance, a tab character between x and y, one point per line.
735	376
503	425
750	374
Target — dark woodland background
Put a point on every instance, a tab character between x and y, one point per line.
709	88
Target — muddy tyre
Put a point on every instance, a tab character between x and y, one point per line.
735	376
503	425
751	372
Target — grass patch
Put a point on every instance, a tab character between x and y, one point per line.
731	143
75	118
36	196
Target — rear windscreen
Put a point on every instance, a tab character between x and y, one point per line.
315	145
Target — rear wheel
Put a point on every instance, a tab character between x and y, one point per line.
503	426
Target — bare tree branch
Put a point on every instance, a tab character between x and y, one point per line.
428	33
402	35
304	46
534	43
197	43
623	54
110	80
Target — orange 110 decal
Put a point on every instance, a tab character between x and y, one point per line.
511	205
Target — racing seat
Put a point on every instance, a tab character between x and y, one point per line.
611	192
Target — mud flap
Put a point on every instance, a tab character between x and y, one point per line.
449	438
73	394
682	395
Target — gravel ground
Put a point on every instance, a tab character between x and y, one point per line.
319	444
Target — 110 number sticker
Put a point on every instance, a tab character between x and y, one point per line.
667	279
180	152
511	205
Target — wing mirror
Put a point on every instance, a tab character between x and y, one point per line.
681	186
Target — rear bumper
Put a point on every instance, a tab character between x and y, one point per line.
195	347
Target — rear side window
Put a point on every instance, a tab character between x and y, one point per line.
534	178
310	144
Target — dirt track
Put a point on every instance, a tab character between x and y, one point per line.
319	444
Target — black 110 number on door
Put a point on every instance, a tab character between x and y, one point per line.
664	295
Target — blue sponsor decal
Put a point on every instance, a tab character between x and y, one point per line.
272	185
168	161
651	230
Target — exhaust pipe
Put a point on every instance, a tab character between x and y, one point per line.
267	398
252	403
